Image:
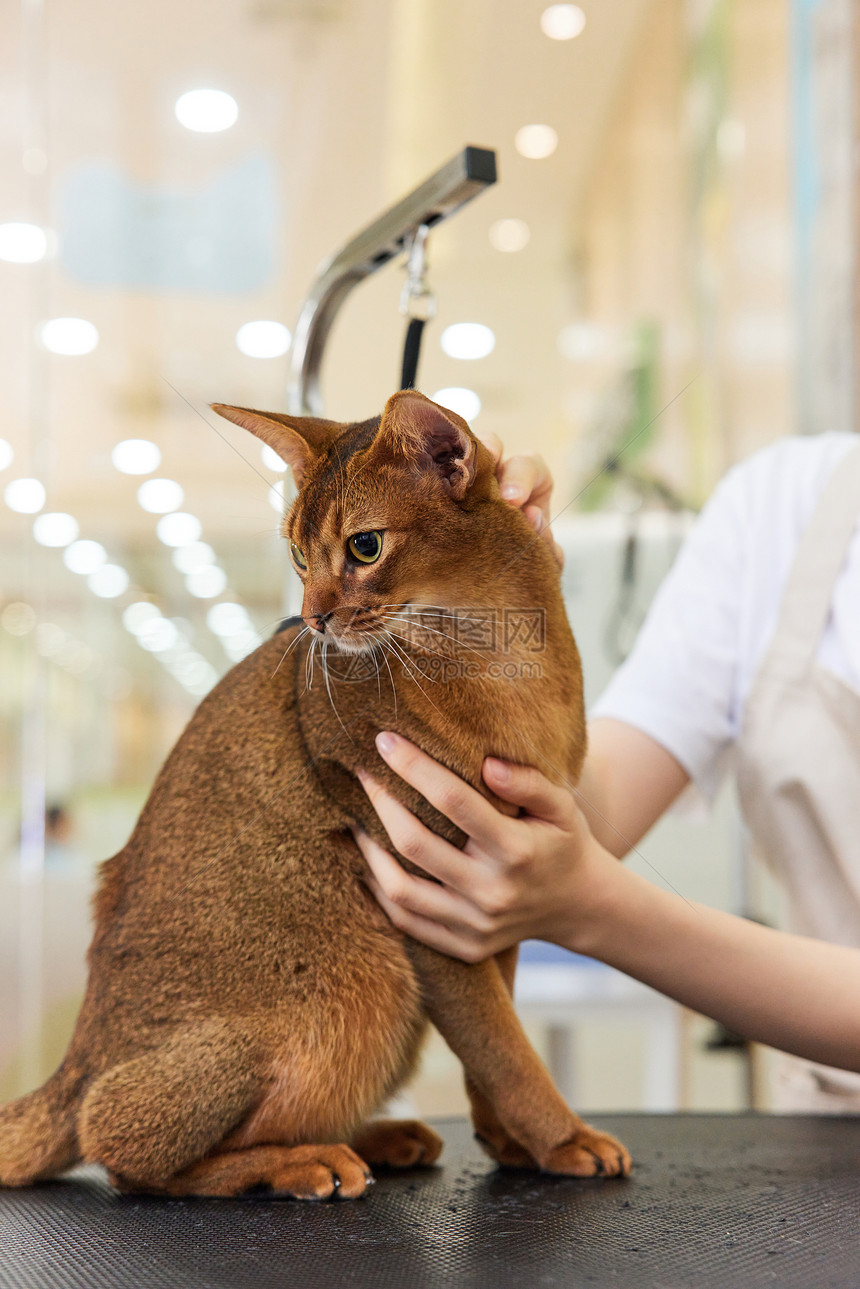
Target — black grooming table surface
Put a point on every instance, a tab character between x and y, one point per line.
715	1200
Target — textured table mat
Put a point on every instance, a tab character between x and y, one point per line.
718	1201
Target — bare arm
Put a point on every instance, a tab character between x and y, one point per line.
544	875
793	993
627	782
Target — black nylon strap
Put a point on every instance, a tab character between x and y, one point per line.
411	353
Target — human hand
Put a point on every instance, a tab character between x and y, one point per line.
516	878
525	481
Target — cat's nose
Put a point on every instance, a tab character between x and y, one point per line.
317	621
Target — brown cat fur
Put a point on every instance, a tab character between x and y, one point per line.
249	1006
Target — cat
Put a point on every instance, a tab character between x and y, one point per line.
249	1006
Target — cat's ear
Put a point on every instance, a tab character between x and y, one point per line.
431	437
298	440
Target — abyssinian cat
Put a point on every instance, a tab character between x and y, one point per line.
249	1006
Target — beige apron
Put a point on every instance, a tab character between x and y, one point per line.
798	766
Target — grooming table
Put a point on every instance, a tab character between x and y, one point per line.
715	1200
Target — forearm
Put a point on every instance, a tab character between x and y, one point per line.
792	993
627	782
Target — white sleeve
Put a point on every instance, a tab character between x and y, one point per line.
680	683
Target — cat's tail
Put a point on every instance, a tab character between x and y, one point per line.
38	1136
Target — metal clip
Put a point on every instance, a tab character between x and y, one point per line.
416	298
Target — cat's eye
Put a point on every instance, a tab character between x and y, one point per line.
365	547
298	556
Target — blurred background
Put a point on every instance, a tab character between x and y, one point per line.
668	261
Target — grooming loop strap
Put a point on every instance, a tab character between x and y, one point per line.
418	303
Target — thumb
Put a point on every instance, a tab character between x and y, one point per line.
528	788
490	441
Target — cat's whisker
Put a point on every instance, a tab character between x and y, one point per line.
393	617
290	646
328	690
390	676
399	652
376	663
424	648
405	661
435	610
315	644
309	664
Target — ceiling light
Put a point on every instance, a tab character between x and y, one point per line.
7	454
197	675
240	645
108	582
84	556
55	529
226	619
263	339
271	460
467	340
18	618
26	496
509	234
465	402
562	21
22	243
159	496
536	141
206	111
137	615
582	341
178	529
187	666
157	635
76	657
72	336
49	639
206	583
136	456
731	139
194	555
276	496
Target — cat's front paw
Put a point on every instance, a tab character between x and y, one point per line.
503	1148
398	1143
589	1153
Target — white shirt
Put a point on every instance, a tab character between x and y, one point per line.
686	682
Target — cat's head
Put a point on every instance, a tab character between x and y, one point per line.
391	512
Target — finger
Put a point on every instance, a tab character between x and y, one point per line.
415	895
492	443
526	479
539	522
456	800
416	842
445	939
535	516
517	476
527	787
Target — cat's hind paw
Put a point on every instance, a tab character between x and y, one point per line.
398	1143
297	1172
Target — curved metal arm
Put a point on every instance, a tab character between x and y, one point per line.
461	179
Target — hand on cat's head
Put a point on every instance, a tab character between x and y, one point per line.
525	481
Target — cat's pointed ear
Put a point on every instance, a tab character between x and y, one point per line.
298	440
431	437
